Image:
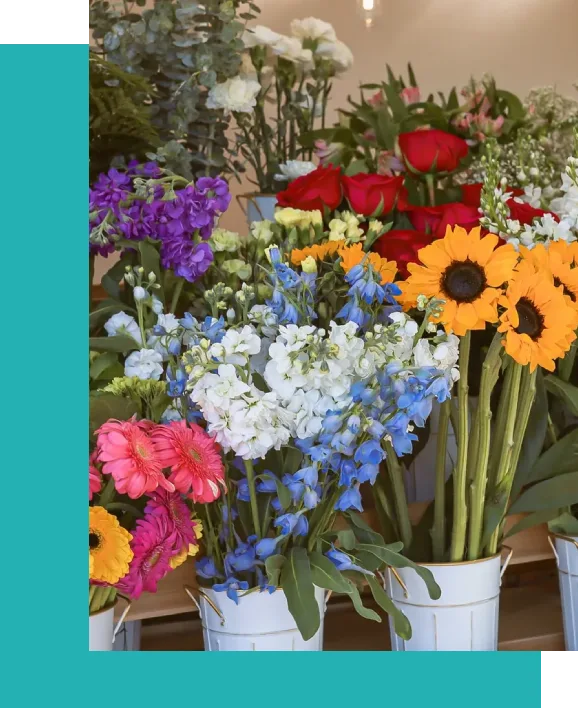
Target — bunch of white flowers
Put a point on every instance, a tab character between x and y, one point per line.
237	95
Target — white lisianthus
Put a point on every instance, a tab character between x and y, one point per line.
144	364
237	95
313	28
262	231
291	49
338	53
293	169
260	36
224	240
121	323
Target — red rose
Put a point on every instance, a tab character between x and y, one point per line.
434	220
525	213
471	193
366	192
316	190
402	247
432	150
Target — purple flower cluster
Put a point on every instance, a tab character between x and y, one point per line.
182	224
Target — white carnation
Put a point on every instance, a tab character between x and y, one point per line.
338	53
260	36
313	28
291	49
236	95
293	169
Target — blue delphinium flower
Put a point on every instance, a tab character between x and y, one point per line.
301	527
310	498
267	547
369	452
263	583
177	381
350	499
343	562
267	483
242	558
232	587
207	569
286	523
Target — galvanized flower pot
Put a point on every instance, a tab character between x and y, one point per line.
566	551
258	207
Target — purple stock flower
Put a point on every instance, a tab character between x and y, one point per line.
189	260
217	190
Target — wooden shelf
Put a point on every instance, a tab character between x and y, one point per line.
530	620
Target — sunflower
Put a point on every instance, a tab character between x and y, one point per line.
318	251
108	545
538	321
467	272
354	255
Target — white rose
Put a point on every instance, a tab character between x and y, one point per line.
236	95
260	36
337	52
313	28
144	363
293	169
121	323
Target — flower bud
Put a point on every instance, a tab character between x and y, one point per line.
152	277
309	265
139	293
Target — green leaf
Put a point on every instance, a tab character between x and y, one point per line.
563	390
273	567
126	508
362	531
412	79
111	279
120	343
494	512
150	261
104	406
283	493
396	560
346	539
297	585
558	492
102	363
535	519
358	604
105	310
565	524
559	459
325	575
400	621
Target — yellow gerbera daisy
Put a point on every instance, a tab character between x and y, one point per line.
538	321
353	255
466	271
318	251
108	544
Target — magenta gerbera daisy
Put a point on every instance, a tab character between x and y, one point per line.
196	465
153	545
171	503
94	477
129	455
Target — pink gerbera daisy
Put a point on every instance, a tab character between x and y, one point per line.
193	457
129	454
153	543
94	478
162	502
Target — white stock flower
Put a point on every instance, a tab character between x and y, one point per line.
338	53
293	169
121	323
237	346
144	364
220	388
235	95
313	28
260	36
262	316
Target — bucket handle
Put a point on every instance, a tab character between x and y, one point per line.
190	593
564	538
122	618
250	198
507	561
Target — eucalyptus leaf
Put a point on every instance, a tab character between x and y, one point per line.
363	532
297	584
273	567
400	621
325	575
358	604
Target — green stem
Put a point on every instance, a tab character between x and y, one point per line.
253	497
176	295
460	515
507	448
320	526
399	497
480	451
499	427
439	524
431	190
107	493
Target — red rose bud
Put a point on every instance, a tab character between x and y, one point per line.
525	213
471	193
316	190
365	193
402	246
432	151
435	220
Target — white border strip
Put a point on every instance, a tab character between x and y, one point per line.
44	22
559	678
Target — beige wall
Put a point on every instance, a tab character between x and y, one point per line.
524	43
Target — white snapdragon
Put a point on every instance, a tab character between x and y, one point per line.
121	323
237	95
293	169
144	364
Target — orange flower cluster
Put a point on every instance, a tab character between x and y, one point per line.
318	251
354	255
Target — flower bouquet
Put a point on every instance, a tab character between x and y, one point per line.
281	93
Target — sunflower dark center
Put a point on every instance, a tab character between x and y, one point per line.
531	320
93	541
464	281
571	295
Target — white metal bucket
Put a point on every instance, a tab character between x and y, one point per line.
419	480
258	207
465	618
260	622
566	550
101	628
